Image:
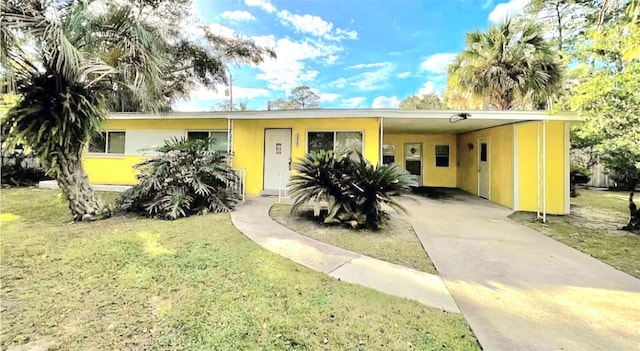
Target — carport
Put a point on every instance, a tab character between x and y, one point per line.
518	159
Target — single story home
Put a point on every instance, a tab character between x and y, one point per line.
518	159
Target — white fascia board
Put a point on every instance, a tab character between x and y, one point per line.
356	113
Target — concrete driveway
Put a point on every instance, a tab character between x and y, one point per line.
521	290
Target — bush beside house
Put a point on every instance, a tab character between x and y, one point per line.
352	188
186	178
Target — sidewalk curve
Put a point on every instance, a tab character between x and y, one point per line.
253	220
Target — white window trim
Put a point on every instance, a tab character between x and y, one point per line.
334	131
106	145
435	156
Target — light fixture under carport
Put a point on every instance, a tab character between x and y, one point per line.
459	117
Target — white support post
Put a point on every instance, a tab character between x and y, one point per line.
381	156
544	171
537	170
229	141
541	170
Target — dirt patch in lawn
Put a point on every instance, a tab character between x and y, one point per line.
397	243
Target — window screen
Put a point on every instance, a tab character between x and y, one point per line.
348	140
220	141
388	154
98	143
115	142
442	155
108	142
197	135
317	141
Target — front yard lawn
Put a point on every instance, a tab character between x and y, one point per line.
397	243
592	227
195	283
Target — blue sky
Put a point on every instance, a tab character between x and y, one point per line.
354	54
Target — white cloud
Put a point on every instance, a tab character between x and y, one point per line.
290	69
315	26
264	4
506	9
205	99
428	88
339	83
329	97
438	63
353	102
403	75
486	4
369	65
385	102
370	80
238	16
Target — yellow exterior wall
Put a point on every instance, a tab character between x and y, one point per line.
248	141
500	163
118	169
431	175
114	170
527	150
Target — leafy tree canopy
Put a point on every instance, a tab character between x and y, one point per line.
423	102
510	66
302	97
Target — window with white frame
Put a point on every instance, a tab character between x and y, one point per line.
220	138
107	143
336	141
388	154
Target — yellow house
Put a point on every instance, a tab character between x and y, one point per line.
518	159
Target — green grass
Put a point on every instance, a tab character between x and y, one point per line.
592	227
195	283
397	243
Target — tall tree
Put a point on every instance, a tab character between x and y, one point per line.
564	19
422	102
303	97
608	98
85	53
225	105
509	63
280	104
457	97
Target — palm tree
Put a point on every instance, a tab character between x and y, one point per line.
510	66
69	60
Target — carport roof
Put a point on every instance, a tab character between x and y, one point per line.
393	120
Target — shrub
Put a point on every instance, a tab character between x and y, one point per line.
353	189
579	174
184	179
21	169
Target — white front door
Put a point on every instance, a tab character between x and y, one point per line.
277	158
484	177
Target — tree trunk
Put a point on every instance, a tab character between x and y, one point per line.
634	214
84	203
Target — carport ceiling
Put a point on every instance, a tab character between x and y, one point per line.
440	125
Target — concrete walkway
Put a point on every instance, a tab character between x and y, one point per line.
521	290
252	218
